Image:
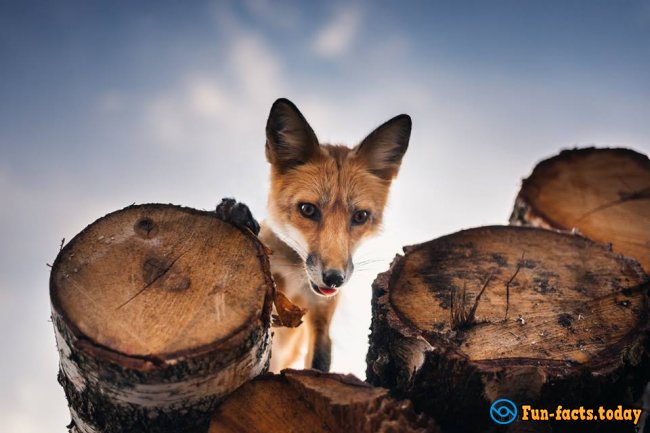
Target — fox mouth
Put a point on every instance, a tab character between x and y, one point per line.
323	291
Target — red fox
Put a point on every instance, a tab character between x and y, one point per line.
324	200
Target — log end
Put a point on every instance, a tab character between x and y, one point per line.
309	401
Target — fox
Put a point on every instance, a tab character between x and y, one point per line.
324	201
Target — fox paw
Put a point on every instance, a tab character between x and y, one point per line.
238	214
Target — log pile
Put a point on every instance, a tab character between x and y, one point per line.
536	316
162	318
159	312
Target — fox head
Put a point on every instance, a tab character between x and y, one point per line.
324	198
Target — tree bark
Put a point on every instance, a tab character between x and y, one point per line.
602	193
159	312
308	401
536	316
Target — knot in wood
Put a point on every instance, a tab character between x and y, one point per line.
146	228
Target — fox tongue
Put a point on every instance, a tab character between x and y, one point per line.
323	290
327	290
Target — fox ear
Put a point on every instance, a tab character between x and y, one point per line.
382	150
290	141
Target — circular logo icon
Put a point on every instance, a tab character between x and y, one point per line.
503	411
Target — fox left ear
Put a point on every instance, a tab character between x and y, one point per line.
290	141
383	149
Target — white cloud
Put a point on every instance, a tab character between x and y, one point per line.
194	111
256	67
337	36
205	97
214	103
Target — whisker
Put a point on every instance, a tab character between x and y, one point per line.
369	268
368	262
365	271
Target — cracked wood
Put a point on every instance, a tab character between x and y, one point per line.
308	401
576	332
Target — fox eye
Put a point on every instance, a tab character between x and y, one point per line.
360	217
309	211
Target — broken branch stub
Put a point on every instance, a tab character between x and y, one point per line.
576	332
288	314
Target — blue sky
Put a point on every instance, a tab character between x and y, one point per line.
103	104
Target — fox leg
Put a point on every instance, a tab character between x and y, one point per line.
286	347
319	349
231	211
319	355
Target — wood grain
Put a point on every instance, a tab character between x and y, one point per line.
602	193
569	298
308	401
533	315
159	312
189	282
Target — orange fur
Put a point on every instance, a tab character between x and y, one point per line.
338	182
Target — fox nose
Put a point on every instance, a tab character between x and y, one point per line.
333	278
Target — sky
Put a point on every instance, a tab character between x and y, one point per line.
104	104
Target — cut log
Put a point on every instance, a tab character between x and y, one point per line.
308	401
603	193
536	316
159	312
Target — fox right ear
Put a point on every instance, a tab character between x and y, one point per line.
290	141
383	149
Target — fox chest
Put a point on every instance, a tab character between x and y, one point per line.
293	284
